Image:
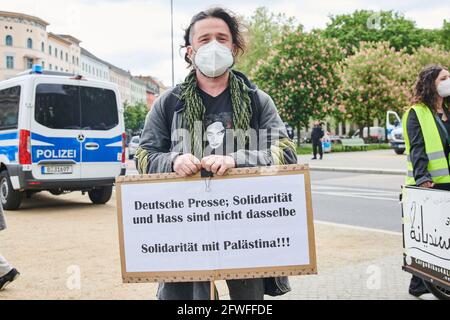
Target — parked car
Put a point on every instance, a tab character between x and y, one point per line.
376	133
395	132
59	133
132	146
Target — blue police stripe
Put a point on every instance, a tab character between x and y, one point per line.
10	151
61	149
104	153
9	135
61	145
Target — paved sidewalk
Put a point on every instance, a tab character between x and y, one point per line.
378	161
353	264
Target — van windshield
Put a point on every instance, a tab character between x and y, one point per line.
60	106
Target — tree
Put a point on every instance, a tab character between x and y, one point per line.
263	30
134	116
371	26
300	75
424	56
374	80
444	35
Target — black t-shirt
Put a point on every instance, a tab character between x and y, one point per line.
446	123
218	123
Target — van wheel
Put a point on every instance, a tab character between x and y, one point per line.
11	199
399	151
100	195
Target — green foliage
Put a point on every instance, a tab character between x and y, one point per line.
361	65
444	35
371	26
300	75
307	148
263	30
134	116
377	79
374	80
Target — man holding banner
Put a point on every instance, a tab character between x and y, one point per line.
214	121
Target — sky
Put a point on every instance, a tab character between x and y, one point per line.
135	35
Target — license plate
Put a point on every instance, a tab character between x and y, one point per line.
57	170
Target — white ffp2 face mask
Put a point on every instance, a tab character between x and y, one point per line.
213	59
444	88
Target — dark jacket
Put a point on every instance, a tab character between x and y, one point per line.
418	154
159	145
317	134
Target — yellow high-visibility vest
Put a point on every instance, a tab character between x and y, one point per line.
438	165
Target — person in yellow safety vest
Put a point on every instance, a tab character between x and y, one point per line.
427	138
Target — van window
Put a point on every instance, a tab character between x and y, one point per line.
57	106
9	108
98	109
75	107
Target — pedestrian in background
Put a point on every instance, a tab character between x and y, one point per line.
7	273
316	137
427	138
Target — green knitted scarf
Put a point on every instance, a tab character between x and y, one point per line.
195	109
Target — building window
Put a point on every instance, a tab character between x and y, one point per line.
61	54
42	47
73	59
43	65
49	50
56	53
50	66
9	40
29	43
67	57
77	62
9	62
29	63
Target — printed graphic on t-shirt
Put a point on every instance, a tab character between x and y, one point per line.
216	132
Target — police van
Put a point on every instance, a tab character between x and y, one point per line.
59	133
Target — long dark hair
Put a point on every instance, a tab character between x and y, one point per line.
425	90
230	19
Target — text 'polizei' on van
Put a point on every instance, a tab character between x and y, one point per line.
59	133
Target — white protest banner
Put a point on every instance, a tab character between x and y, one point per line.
426	233
253	222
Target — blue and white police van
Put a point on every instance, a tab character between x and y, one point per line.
59	133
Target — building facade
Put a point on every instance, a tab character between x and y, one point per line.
63	54
93	67
152	90
24	41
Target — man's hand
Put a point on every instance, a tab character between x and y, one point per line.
218	164
186	165
428	185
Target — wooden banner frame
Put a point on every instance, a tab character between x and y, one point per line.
212	275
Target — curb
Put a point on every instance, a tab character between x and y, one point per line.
360	170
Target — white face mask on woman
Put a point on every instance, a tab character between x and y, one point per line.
444	88
213	59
